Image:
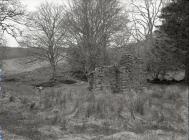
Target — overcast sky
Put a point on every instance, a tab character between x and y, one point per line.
31	5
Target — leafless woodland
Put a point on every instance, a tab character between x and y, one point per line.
93	70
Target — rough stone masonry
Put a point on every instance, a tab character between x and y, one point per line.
118	78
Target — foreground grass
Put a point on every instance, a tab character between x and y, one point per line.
71	111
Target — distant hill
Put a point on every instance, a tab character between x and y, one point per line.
19	65
18	52
9	52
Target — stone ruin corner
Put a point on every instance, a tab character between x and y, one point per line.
118	78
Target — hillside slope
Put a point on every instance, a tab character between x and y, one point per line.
19	65
9	53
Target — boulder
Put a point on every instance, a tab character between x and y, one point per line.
160	77
169	76
179	76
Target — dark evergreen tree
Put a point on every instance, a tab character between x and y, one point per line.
175	18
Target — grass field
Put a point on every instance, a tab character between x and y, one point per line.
71	112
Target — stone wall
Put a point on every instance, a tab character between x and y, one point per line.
118	78
107	77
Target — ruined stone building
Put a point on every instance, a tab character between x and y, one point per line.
118	78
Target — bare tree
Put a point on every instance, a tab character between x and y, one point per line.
46	34
145	18
93	26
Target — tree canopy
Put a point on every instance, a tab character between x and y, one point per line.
92	27
11	13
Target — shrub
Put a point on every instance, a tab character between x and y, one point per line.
136	104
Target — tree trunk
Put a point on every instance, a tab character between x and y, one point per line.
53	66
90	74
91	81
187	69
